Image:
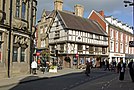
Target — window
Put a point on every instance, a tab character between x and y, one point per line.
121	48
116	35
91	36
97	37
121	36
116	47
0	36
41	29
0	54
42	43
22	55
96	50
111	33
104	50
91	49
80	47
23	10
17	8
57	35
105	38
62	47
0	5
111	46
15	54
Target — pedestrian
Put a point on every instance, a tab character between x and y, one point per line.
44	67
88	66
131	69
34	66
38	63
121	69
107	65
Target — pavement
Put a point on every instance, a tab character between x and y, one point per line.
30	77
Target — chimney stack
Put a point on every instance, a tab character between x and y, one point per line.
58	5
79	10
101	13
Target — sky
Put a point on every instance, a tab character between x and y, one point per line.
115	8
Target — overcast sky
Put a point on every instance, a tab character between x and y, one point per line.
110	7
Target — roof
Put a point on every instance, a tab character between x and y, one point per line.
72	21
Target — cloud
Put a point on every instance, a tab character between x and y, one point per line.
113	7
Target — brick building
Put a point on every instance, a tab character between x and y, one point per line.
119	36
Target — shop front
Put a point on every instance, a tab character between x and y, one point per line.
117	57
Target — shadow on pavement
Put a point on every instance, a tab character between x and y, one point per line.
24	83
57	80
24	80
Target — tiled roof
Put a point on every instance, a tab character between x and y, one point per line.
72	21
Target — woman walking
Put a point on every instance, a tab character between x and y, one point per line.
121	69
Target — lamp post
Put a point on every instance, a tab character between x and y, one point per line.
9	38
31	39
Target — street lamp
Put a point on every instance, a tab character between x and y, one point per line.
129	3
31	39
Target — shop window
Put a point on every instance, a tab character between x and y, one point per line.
22	55
15	54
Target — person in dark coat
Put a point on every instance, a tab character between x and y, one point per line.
107	65
88	66
131	70
121	69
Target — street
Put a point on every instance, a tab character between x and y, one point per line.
98	80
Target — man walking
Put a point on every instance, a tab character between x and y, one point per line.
88	66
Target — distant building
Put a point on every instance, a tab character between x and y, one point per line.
119	36
20	36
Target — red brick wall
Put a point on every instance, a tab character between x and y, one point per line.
95	17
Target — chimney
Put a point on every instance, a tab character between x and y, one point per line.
79	10
101	13
58	5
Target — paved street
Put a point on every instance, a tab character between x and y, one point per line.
109	82
75	80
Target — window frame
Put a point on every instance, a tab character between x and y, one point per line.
15	55
17	8
22	55
23	14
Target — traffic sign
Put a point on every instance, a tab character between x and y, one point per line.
131	43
